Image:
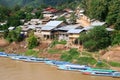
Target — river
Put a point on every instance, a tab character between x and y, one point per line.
19	70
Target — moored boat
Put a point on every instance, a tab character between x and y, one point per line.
33	59
97	70
73	67
116	74
98	73
3	54
23	58
58	63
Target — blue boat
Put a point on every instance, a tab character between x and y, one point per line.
50	62
98	70
116	74
11	55
99	73
23	58
58	63
3	54
73	67
33	59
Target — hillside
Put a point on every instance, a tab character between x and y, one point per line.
12	3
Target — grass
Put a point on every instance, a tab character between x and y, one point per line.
1	50
102	65
86	60
31	52
87	54
54	51
58	42
114	64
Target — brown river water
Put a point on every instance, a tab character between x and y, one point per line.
18	70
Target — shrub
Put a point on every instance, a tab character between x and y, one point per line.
114	64
86	60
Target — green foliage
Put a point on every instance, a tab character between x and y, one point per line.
102	65
31	52
114	64
32	41
61	19
13	35
116	38
86	60
104	10
70	55
73	18
1	50
13	21
114	12
58	42
95	39
34	3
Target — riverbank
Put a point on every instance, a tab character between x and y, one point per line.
19	70
60	52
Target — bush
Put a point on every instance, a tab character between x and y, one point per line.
114	64
31	52
1	50
32	41
70	55
66	57
102	65
86	60
58	42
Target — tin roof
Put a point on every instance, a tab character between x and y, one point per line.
77	31
51	25
68	27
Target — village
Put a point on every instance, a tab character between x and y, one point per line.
50	28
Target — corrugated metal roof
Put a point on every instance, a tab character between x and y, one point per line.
109	29
68	27
97	23
88	28
77	31
53	23
48	27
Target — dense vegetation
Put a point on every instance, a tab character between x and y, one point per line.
97	38
104	10
34	3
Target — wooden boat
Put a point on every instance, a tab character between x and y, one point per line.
73	67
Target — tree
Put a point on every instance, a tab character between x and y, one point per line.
13	35
61	19
95	39
116	38
73	18
114	12
32	41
